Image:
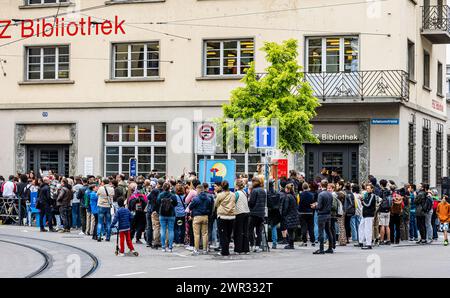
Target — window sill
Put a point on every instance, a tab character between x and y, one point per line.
412	81
218	78
48	5
440	95
46	82
426	88
135	80
132	2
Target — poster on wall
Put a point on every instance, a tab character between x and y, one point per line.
88	166
218	170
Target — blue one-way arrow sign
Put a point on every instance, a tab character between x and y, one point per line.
266	137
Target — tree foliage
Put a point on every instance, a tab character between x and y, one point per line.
280	94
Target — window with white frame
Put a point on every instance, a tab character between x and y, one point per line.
228	57
34	2
136	60
144	141
48	63
332	54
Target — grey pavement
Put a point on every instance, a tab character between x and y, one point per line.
405	260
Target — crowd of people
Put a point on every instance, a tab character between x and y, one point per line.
183	212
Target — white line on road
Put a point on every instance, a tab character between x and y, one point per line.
133	273
181	255
177	268
228	262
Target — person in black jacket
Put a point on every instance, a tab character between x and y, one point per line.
274	216
366	226
349	210
306	214
257	206
323	207
419	201
153	226
290	215
45	205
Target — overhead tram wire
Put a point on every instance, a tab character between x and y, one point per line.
145	29
273	11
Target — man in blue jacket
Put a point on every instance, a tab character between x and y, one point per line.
201	208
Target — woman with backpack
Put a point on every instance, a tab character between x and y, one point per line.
137	204
180	214
166	203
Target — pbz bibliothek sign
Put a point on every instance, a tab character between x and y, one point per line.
60	27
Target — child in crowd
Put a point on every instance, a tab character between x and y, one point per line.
124	218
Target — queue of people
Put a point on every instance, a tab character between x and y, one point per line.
168	213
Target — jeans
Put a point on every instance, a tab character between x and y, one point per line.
413	226
104	221
76	219
148	228
274	235
167	222
324	225
255	222
428	225
434	225
179	230
307	225
333	231
354	224
316	225
394	226
65	214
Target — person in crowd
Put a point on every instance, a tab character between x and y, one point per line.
405	216
45	204
214	231
191	194
340	194
323	208
306	215
63	200
225	204
395	217
154	239
334	213
384	213
349	210
137	204
420	201
411	193
289	213
274	216
434	221
123	217
257	205
180	213
428	208
368	211
240	229
93	200
283	195
76	219
165	204
294	180
443	213
105	195
357	218
201	207
83	210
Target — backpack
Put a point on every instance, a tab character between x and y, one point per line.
336	207
179	209
397	208
273	201
386	204
350	199
428	204
166	206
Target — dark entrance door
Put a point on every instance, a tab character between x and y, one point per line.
342	157
48	157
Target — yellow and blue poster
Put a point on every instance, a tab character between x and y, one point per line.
218	170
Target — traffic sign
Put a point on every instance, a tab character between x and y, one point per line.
206	139
266	137
133	167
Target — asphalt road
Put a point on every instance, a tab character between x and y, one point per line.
404	260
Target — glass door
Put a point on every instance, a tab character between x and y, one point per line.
46	158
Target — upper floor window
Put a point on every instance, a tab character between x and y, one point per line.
33	2
228	57
48	63
136	60
411	60
426	69
332	54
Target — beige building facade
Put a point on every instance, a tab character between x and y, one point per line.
86	104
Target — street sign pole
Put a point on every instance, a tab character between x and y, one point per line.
204	169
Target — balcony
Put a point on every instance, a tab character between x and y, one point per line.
372	85
436	24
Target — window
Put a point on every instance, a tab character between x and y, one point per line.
412	149
228	57
426	150
33	2
137	60
439	153
411	60
48	63
332	54
426	69
440	78
144	141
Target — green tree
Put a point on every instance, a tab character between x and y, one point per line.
280	94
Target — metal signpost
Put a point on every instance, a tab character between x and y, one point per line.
205	143
266	138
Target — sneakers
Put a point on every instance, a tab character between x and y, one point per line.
329	251
445	242
367	247
138	242
135	253
303	244
319	252
163	249
99	239
289	247
191	248
121	254
44	230
170	250
274	246
257	249
358	245
81	233
195	252
387	243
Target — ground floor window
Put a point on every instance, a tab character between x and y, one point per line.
439	153
412	149
144	141
426	150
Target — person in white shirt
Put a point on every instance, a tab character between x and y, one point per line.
9	188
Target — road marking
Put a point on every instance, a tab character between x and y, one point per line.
177	268
133	273
178	254
228	262
25	231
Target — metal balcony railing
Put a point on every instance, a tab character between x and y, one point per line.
359	84
436	18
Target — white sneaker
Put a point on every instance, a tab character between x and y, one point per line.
258	249
81	233
163	249
195	252
190	248
121	254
